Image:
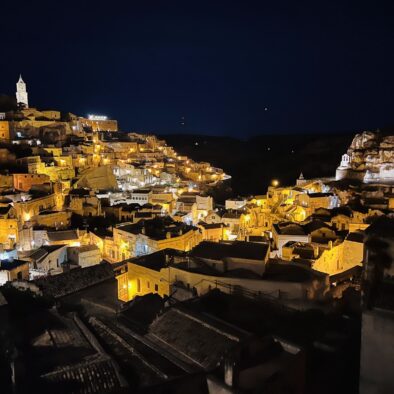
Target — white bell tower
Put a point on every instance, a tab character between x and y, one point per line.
21	93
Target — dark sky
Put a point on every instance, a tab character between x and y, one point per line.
318	66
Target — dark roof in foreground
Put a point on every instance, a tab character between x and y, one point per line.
201	338
157	260
237	249
357	236
289	272
93	376
382	226
75	280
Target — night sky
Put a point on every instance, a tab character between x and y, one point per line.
235	68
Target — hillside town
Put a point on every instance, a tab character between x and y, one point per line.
140	278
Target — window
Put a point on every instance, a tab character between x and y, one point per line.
148	284
139	285
156	288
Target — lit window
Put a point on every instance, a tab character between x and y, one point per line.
138	285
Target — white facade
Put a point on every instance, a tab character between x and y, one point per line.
21	93
84	256
140	197
235	203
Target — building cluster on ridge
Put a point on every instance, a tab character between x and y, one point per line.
83	204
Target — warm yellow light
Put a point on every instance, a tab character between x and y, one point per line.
26	216
123	245
275	182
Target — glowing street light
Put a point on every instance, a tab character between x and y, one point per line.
275	183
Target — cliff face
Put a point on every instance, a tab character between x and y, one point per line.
369	158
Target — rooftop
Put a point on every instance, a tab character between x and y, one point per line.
157	228
63	235
201	338
9	265
75	280
236	249
289	272
156	261
357	236
289	228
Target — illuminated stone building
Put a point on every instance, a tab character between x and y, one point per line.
11	270
24	182
331	258
4	131
149	236
214	231
25	210
9	227
165	271
99	123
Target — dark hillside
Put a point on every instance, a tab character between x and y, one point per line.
255	162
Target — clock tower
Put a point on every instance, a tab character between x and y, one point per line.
21	93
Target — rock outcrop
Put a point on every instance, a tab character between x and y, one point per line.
370	158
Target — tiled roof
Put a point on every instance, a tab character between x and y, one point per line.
93	376
43	251
202	339
66	235
75	280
